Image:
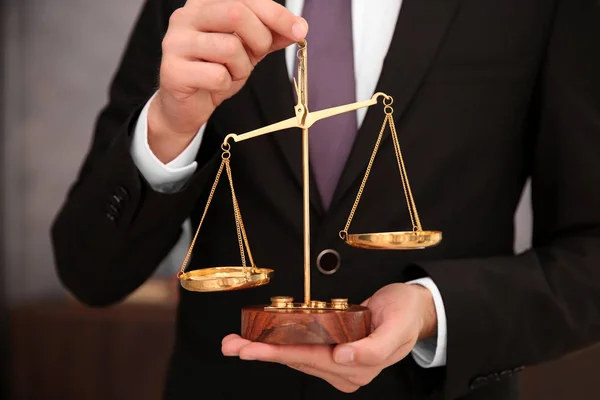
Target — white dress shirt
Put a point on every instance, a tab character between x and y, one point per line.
373	27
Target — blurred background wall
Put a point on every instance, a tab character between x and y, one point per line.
59	56
3	319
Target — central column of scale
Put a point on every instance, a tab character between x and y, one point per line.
303	86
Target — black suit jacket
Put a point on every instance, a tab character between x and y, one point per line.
486	94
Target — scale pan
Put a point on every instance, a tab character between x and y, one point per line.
394	240
221	279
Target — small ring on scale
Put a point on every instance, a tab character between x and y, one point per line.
225	147
337	264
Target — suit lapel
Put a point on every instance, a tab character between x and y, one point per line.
419	31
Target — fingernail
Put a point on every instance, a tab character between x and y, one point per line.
299	30
345	355
227	339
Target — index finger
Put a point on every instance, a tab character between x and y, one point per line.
287	27
313	356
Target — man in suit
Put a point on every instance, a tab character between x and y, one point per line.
486	94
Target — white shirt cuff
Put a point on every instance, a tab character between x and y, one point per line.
166	178
430	353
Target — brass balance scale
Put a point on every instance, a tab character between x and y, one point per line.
284	321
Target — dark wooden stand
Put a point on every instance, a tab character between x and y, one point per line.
305	326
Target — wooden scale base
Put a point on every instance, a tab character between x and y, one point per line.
285	322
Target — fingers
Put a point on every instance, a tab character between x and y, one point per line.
232	344
334	380
229	337
208	53
220	48
311	359
234	34
229	17
256	22
384	347
177	74
379	349
285	26
315	356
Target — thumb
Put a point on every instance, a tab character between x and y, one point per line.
377	348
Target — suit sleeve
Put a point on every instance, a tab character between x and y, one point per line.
113	229
507	312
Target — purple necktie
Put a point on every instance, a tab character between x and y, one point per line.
331	82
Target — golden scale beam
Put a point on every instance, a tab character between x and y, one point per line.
299	316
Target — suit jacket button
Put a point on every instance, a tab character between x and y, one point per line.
112	212
328	262
478	382
122	193
505	374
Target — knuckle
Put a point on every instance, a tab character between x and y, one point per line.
349	388
265	44
230	45
235	12
242	75
299	367
166	68
248	71
280	14
169	76
168	42
178	16
377	357
221	79
361	380
306	365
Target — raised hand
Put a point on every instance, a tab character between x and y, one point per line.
209	51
